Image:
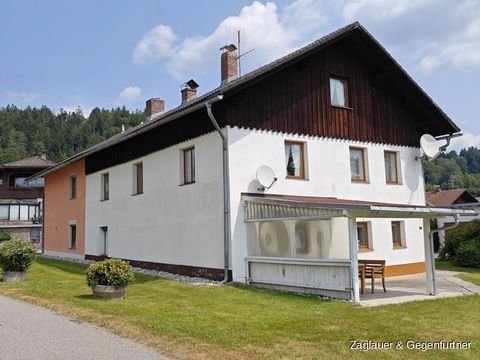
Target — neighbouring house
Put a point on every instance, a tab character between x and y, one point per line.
21	202
456	198
336	125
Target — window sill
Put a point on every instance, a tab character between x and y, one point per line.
354	181
393	183
140	193
400	247
342	107
365	250
104	200
188	183
296	178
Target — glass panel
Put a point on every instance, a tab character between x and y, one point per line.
274	239
337	92
362	234
73	187
396	233
105	187
4	212
356	164
20	182
14	212
139	168
24	212
391	167
35	235
294	159
189	165
33	211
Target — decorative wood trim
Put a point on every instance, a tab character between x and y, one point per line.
405	269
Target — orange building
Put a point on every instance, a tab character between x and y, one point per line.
65	211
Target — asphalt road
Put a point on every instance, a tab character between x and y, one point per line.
31	332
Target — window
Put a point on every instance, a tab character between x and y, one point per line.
338	92
35	234
295	159
4	212
105	187
138	178
391	168
73	236
363	236
104	238
73	186
189	165
357	164
397	234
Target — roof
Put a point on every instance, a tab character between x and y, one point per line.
450	197
276	206
31	162
236	84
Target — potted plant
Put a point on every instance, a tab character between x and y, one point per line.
109	278
16	256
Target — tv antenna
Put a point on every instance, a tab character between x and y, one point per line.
240	53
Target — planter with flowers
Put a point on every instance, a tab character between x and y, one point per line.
109	278
16	256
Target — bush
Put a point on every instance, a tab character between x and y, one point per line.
4	235
462	245
17	255
112	272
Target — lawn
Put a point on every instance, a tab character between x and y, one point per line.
238	322
471	274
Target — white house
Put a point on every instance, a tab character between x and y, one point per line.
338	122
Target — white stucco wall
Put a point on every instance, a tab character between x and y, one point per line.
328	173
169	222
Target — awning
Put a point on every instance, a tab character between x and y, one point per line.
262	207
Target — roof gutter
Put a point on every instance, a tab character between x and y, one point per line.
226	188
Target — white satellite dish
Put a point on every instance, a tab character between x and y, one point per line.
266	177
430	147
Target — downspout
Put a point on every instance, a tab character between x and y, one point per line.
456	217
226	187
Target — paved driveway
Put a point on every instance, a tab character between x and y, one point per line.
31	332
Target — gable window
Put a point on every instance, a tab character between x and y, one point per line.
138	178
357	164
73	186
391	167
295	159
105	195
338	92
189	165
363	236
72	236
397	234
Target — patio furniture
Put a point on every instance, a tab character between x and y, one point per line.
371	269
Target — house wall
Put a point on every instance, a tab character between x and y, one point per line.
169	223
60	211
328	175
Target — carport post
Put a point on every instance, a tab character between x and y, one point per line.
353	246
429	258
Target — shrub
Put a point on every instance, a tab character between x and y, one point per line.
468	253
17	255
462	245
112	272
4	235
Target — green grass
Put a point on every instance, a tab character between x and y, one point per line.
239	322
472	274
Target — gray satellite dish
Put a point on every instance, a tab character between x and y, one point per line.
430	147
266	177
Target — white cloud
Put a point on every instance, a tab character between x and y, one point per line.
379	8
155	45
129	95
85	110
20	96
465	141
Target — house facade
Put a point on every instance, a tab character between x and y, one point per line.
338	122
21	210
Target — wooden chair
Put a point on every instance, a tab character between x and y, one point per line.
374	269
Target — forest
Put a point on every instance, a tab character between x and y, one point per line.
59	135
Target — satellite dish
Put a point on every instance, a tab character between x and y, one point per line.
430	147
266	177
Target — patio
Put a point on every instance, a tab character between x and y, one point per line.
412	288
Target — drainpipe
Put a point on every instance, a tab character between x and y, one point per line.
226	187
456	218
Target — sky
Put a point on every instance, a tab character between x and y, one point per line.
67	54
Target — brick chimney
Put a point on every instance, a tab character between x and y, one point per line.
189	90
229	63
154	106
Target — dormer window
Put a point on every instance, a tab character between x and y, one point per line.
339	92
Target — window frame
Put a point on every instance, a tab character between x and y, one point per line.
73	183
368	246
137	178
189	151
364	164
72	235
346	91
303	171
394	154
105	187
399	233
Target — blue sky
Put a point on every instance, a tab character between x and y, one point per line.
107	53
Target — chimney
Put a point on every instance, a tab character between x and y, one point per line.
189	90
154	106
229	63
43	156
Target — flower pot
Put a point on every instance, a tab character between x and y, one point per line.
109	292
14	276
